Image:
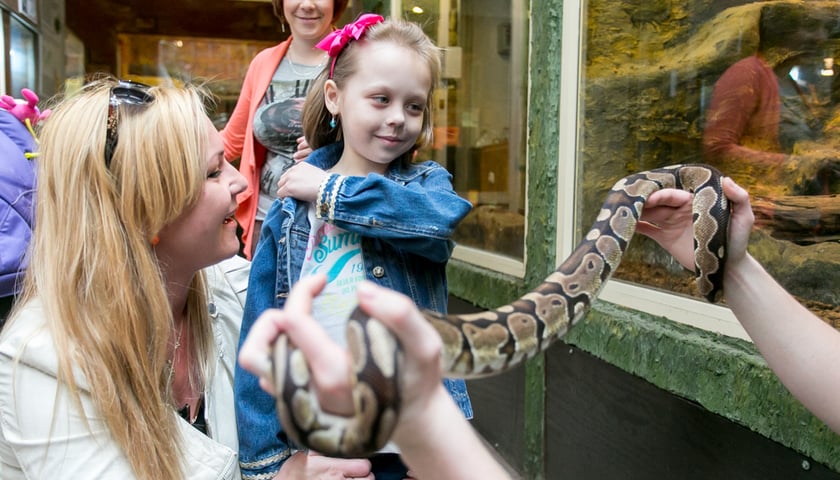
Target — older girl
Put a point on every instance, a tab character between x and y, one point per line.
264	131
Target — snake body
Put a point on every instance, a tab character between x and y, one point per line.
491	342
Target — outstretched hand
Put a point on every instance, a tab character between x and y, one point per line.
667	219
330	364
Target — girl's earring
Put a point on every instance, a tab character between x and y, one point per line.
333	123
155	240
282	26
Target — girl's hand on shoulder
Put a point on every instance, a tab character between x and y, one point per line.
301	182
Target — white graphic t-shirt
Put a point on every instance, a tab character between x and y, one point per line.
277	125
338	254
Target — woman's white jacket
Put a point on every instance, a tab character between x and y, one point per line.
44	435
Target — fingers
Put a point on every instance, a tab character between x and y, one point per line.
303	150
667	219
301	155
649	230
312	464
346	467
665	208
419	339
668	205
282	188
742	213
304	291
255	352
301	182
739	197
742	220
330	364
669	197
254	356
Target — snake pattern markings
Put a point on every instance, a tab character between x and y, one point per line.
491	342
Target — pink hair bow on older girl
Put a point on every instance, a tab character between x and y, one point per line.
335	42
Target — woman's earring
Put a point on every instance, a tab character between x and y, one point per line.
283	26
333	123
155	240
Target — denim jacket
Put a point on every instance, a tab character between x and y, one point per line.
405	219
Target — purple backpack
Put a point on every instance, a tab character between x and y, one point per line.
17	192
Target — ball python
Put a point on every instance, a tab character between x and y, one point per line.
491	342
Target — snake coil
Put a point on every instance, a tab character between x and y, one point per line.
491	342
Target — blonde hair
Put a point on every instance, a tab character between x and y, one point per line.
95	272
316	116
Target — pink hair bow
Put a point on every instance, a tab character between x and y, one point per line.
335	42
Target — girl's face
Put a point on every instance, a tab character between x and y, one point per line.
309	19
205	234
381	106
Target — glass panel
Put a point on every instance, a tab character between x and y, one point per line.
29	8
749	87
479	113
22	56
154	59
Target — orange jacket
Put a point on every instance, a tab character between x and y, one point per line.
239	139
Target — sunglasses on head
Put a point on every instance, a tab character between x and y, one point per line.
128	93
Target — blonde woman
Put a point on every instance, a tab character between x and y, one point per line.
118	360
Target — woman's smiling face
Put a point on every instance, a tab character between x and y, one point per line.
206	233
309	19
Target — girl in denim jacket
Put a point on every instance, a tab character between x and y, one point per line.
357	209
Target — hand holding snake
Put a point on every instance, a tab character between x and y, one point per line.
428	413
490	342
667	220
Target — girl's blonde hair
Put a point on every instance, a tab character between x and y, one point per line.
93	267
316	117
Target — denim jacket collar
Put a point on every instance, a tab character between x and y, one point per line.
326	157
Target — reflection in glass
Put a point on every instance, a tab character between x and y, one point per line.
749	87
479	117
22	58
161	59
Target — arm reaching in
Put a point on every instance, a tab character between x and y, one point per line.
796	344
434	438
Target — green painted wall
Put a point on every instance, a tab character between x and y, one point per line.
725	375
